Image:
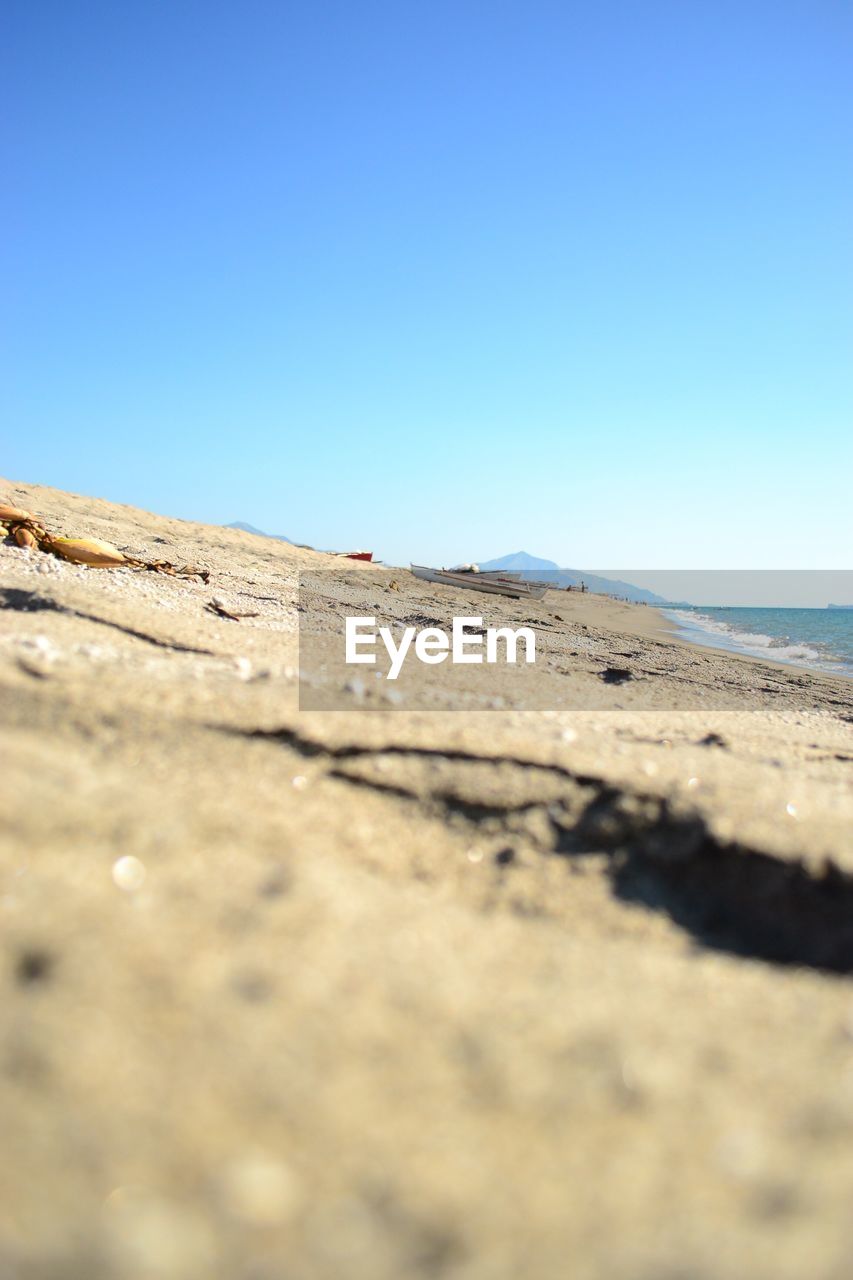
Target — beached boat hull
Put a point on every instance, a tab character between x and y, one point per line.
488	583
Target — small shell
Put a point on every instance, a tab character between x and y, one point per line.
24	538
91	551
10	514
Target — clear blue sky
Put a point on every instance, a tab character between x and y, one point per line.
446	280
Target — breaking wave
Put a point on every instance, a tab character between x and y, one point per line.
779	642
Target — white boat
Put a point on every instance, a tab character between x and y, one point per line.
503	574
492	583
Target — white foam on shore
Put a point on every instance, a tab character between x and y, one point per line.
712	632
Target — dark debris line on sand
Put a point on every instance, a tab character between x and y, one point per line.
726	894
21	601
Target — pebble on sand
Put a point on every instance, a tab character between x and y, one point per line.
129	873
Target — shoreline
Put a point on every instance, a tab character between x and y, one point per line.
740	645
651	622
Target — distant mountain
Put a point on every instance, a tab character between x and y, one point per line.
529	566
520	562
250	528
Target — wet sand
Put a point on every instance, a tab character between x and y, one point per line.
544	980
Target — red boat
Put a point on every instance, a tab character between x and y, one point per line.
356	555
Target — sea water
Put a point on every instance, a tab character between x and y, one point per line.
818	638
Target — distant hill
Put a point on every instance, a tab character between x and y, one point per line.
250	528
521	562
529	566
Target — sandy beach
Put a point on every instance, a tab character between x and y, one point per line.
546	976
